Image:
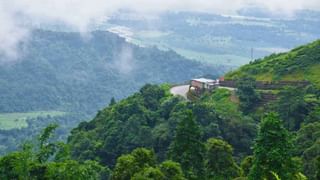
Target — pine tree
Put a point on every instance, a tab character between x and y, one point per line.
272	151
187	148
248	96
219	161
112	101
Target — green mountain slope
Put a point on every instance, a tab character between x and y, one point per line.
154	119
302	63
206	138
149	119
64	71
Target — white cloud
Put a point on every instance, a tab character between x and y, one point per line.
124	62
11	34
80	13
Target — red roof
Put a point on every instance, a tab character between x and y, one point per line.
221	78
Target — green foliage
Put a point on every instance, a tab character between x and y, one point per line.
132	123
11	139
38	162
308	147
141	164
144	158
171	170
248	96
112	101
246	165
220	99
15	165
301	63
318	168
138	161
20	120
149	173
151	95
232	125
125	167
186	148
47	149
219	161
273	151
292	107
73	170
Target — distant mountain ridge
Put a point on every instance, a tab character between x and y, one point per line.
220	39
62	70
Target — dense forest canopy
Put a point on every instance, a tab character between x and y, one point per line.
220	122
76	76
223	134
65	71
159	90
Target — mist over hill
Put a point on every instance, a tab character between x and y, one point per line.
101	89
65	77
62	70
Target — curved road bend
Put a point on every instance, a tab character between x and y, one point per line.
180	90
183	90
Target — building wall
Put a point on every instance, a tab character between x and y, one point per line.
197	84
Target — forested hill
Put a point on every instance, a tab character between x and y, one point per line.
69	72
222	134
215	136
302	63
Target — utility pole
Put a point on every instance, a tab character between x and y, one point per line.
251	54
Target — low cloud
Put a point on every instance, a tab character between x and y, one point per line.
11	34
79	14
124	62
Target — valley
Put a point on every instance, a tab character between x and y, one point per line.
159	90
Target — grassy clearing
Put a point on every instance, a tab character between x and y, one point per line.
225	102
264	77
225	59
18	120
314	75
221	59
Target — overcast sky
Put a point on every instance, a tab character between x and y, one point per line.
79	13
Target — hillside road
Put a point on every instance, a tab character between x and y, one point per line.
180	90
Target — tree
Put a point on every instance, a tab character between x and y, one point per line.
171	170
73	170
125	167
15	165
248	96
307	146
187	149
46	148
310	158
272	151
208	118
292	107
149	173
140	164
50	160
144	157
151	95
220	164
246	165
130	164
112	101
318	168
